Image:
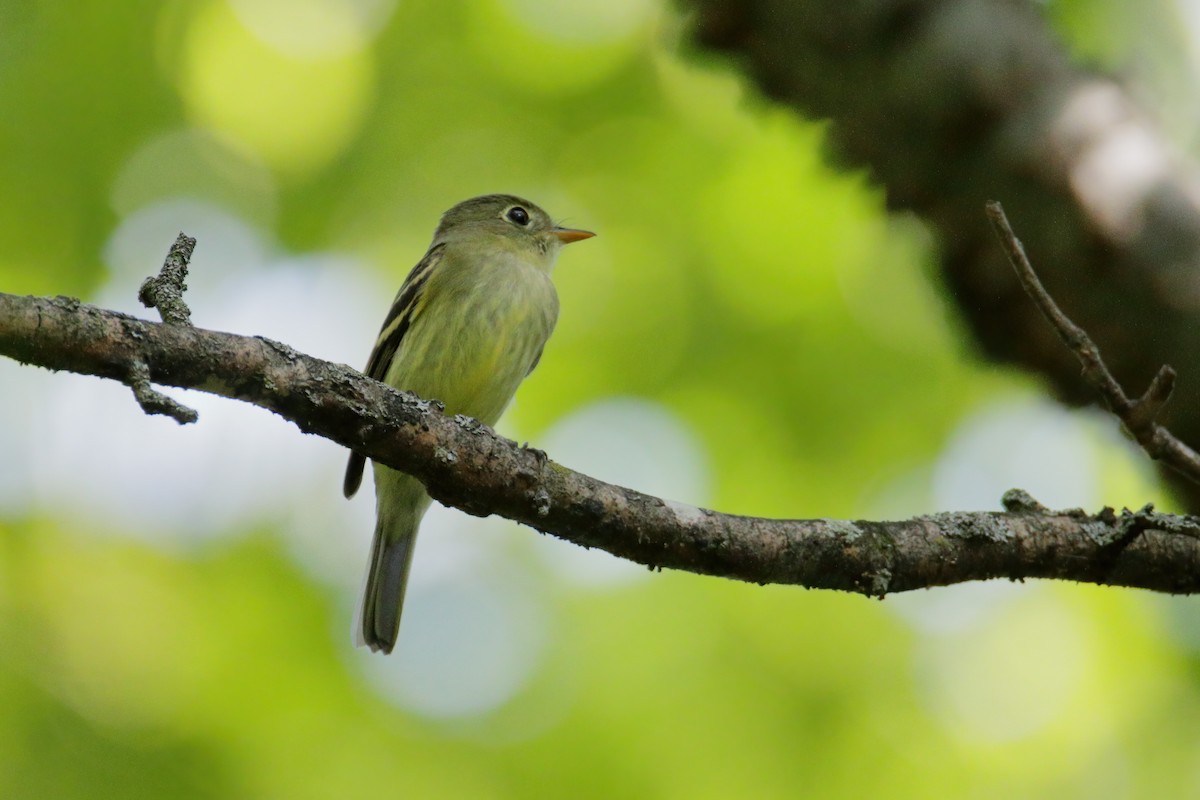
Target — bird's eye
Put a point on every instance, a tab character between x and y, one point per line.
518	215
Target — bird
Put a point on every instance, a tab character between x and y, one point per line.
467	326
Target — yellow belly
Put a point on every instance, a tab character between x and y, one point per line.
471	346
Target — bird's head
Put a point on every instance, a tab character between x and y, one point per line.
507	221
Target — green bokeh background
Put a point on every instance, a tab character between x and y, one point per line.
761	302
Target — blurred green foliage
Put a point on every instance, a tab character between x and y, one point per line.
759	295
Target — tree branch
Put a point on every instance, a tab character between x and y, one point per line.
946	104
466	465
1139	416
165	290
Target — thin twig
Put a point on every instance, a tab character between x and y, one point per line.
165	290
155	402
1138	416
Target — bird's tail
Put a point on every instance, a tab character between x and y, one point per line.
401	504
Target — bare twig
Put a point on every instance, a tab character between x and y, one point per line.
154	402
466	465
1138	416
165	290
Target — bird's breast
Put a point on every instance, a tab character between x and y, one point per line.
476	336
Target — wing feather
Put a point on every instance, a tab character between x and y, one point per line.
387	344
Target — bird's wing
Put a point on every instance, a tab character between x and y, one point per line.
391	334
536	359
552	318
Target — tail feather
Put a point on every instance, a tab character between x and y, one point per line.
401	501
383	596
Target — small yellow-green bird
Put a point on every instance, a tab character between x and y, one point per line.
468	324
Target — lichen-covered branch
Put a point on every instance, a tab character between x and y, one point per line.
164	291
466	465
155	402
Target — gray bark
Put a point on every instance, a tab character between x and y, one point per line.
466	465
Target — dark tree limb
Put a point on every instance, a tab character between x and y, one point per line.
466	465
1139	416
948	103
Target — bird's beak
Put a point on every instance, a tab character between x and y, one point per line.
568	235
